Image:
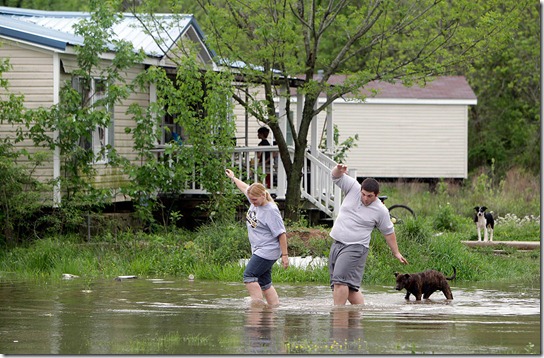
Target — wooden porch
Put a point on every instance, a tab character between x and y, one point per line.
317	188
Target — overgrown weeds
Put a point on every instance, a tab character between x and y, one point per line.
213	252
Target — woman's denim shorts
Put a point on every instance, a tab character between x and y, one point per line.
259	270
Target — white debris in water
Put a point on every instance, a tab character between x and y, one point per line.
125	277
68	276
299	262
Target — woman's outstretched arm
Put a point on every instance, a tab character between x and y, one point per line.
240	184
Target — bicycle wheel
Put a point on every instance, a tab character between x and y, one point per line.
401	213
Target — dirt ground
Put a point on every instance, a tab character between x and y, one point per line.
308	233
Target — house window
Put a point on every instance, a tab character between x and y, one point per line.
172	131
289	134
100	138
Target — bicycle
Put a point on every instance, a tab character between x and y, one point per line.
401	212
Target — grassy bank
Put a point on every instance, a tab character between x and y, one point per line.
212	253
433	240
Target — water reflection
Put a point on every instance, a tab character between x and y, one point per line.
347	328
180	317
259	327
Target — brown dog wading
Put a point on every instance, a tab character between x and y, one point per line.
424	283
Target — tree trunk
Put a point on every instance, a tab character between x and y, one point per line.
293	194
293	199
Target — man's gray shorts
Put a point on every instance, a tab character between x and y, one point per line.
347	264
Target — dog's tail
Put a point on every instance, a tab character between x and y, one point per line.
454	274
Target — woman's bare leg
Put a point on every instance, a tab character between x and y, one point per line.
271	296
255	291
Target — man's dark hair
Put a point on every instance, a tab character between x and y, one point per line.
371	185
264	131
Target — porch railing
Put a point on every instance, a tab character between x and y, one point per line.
316	186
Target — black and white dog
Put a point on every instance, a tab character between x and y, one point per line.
484	221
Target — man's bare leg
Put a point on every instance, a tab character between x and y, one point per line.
271	296
356	298
340	294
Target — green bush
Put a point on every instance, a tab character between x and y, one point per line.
511	227
222	243
304	242
20	194
446	218
417	231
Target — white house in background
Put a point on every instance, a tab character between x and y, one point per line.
409	132
40	47
404	132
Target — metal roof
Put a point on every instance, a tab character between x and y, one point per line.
56	29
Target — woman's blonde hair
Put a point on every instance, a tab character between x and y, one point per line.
257	189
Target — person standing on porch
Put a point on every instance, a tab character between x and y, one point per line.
262	134
360	212
268	239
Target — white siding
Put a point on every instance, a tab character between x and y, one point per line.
31	75
405	141
123	141
108	177
253	124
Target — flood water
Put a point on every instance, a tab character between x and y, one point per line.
143	316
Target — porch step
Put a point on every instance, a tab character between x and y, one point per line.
317	217
328	222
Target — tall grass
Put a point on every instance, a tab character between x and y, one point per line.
432	241
518	193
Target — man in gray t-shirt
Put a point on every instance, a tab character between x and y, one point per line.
360	213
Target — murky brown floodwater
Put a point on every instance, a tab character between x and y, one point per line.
181	317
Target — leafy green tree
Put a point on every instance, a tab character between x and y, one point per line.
387	40
196	99
67	126
504	128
